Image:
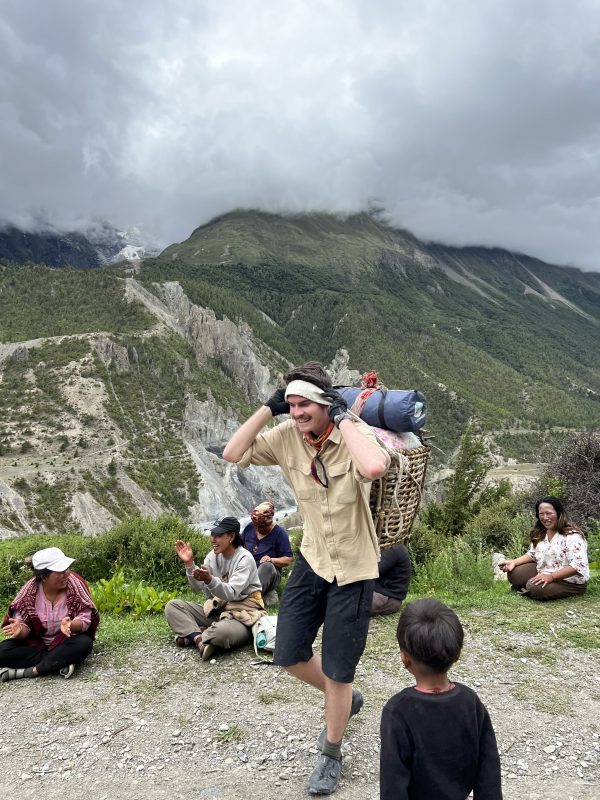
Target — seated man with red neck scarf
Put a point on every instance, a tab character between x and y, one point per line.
330	460
270	545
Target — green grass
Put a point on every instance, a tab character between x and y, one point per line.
275	696
516	626
124	631
234	733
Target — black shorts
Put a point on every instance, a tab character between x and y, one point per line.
310	601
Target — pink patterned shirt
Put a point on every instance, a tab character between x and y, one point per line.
51	615
563	551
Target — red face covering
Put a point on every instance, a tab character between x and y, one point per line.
263	521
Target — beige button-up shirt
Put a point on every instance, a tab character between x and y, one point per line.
339	539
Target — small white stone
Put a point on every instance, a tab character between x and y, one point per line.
550	748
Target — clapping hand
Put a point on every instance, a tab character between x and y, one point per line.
202	574
13	628
185	552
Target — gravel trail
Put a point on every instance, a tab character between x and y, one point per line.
158	724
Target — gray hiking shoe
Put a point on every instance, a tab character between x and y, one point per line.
358	702
326	775
67	671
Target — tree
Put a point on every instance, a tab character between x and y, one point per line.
470	468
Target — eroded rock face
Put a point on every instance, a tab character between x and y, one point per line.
211	338
145	503
224	489
92	518
207	423
206	426
341	374
231	344
112	354
12	503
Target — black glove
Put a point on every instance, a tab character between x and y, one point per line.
338	405
277	403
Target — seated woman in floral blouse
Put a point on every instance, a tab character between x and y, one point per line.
556	564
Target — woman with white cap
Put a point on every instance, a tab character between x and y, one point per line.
51	624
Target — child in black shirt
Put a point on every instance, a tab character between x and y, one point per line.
437	740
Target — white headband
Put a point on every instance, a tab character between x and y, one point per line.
307	390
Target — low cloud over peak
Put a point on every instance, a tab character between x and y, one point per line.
471	123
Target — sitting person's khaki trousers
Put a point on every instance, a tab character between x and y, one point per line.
185	618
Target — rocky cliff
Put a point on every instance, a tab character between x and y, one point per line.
84	459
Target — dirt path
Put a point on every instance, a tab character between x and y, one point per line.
158	724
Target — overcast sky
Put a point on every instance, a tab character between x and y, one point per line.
471	121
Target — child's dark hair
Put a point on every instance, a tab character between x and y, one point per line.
430	633
312	372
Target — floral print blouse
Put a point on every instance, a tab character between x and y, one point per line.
563	551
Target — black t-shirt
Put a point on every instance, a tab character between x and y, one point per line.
438	747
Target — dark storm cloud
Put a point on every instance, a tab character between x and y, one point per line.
470	122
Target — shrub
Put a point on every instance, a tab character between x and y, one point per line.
498	527
459	567
424	543
574	476
460	490
143	549
593	533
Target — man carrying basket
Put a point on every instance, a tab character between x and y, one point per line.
330	460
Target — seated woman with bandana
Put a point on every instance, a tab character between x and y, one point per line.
51	623
269	543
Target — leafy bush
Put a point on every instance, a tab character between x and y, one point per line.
424	542
459	567
460	490
498	527
116	595
593	533
143	549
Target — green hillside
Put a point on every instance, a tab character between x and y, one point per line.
487	325
118	389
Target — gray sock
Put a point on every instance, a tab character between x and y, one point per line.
9	674
332	749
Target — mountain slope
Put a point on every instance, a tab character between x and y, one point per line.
514	338
118	394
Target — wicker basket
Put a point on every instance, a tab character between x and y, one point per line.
395	497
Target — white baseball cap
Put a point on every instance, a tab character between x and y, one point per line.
51	558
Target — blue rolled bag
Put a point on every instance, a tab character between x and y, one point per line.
398	410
